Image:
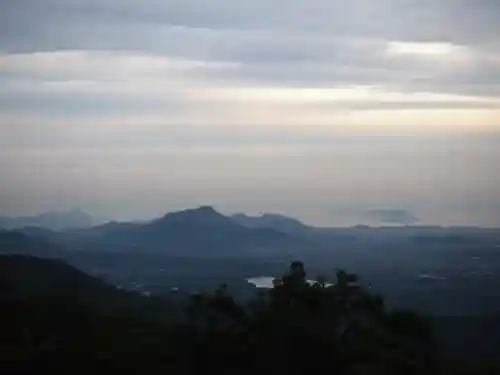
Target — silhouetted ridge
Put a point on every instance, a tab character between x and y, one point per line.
197	231
15	242
54	281
38	277
273	221
201	216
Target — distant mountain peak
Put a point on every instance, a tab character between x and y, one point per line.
54	220
274	221
204	215
206	209
201	210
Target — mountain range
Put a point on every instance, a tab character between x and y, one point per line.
57	221
203	231
192	232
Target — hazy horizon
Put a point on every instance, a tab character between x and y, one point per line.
321	110
344	217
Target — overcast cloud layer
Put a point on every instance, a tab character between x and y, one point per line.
320	109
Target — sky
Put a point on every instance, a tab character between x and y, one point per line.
320	109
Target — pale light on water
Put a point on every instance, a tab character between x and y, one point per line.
262	281
267	281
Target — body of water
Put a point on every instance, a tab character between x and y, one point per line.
267	281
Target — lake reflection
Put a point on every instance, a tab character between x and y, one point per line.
262	281
267	281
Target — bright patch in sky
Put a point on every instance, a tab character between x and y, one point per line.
424	49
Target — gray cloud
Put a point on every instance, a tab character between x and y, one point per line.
458	21
276	53
284	42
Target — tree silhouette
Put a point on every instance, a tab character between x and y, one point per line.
340	325
330	326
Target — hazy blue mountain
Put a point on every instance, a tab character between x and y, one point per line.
201	231
274	221
75	218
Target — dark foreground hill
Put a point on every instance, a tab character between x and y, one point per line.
53	321
48	280
14	242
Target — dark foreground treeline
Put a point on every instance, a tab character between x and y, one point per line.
75	324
